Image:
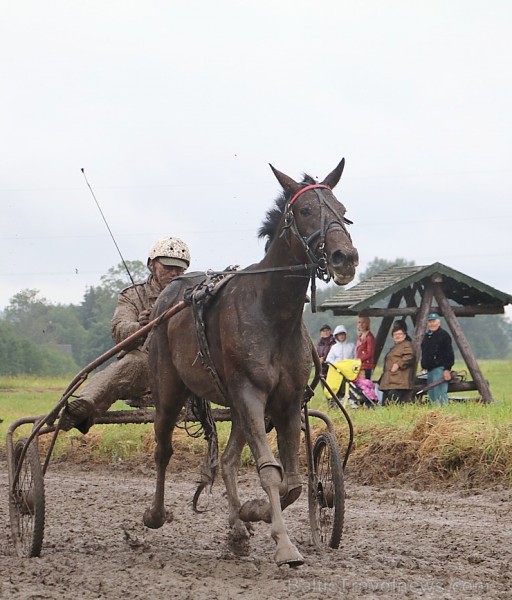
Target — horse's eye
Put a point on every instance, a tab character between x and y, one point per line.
305	211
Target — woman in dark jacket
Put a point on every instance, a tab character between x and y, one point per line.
323	346
397	376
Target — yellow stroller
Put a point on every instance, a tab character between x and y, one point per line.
351	389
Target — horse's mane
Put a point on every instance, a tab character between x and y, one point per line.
270	225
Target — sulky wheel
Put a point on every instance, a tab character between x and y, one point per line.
326	492
26	499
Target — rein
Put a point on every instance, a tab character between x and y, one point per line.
304	267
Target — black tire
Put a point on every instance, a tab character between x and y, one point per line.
326	496
26	500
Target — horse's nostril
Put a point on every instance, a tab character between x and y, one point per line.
340	258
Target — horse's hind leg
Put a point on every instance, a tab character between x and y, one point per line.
167	412
239	532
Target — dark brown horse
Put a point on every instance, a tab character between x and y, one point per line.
260	350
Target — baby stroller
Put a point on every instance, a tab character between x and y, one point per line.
351	389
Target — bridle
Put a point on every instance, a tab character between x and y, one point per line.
317	255
318	264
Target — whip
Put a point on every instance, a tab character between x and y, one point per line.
111	234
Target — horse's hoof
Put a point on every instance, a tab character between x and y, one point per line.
289	556
290	496
152	520
240	530
238	540
255	510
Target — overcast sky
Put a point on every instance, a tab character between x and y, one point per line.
175	108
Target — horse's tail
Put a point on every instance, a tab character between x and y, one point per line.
202	412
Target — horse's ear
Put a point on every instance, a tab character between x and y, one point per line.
332	179
287	183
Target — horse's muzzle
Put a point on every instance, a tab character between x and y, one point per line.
343	266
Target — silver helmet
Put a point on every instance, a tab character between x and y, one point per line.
170	251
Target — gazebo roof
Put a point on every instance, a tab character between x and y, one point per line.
460	288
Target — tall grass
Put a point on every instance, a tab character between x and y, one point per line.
466	442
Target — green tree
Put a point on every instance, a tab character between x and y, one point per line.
27	312
97	305
46	324
116	279
96	312
35	333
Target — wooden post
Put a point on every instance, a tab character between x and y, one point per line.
463	344
421	322
409	295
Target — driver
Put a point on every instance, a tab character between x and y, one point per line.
128	376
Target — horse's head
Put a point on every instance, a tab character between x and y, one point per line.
317	221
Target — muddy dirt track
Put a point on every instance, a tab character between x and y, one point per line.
397	543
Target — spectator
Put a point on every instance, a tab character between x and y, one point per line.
324	345
437	359
342	349
365	346
397	376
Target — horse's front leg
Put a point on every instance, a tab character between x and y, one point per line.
165	420
250	412
288	421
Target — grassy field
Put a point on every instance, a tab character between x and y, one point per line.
465	443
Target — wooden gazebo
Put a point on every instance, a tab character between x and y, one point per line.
413	292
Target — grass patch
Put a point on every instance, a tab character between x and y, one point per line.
465	443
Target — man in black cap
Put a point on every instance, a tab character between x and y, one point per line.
324	345
437	359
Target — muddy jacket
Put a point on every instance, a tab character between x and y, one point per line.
403	355
437	350
130	303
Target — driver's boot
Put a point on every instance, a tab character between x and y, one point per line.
79	414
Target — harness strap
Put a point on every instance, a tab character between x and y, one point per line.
204	348
269	461
313	186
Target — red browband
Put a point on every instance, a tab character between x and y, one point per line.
305	189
